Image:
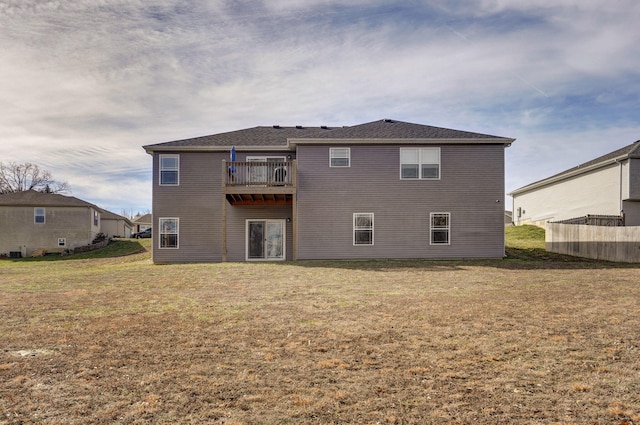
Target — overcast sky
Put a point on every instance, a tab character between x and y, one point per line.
85	83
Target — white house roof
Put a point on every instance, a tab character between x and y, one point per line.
629	151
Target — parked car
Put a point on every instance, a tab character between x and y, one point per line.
144	234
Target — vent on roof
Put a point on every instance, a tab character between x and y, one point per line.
276	126
298	126
387	120
324	127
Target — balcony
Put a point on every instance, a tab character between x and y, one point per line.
259	183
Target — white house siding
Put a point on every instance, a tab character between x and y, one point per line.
18	230
596	192
471	189
115	227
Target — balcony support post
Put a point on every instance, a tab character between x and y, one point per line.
225	174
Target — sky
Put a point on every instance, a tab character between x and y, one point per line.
84	84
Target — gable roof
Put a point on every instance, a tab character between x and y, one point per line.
108	215
34	198
146	218
288	137
629	151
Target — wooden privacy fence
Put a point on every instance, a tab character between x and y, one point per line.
618	244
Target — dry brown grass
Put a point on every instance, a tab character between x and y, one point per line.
391	342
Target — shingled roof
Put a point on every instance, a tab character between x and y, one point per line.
629	151
33	198
277	136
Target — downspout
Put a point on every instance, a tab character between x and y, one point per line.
619	161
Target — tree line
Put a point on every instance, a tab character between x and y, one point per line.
21	177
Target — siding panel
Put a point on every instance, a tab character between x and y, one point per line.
472	180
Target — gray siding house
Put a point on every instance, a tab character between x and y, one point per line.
33	220
384	189
605	186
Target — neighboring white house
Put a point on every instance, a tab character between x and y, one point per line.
114	225
608	185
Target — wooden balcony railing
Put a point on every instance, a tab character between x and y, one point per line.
259	174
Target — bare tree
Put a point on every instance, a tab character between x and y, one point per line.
15	177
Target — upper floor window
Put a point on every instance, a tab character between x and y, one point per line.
440	226
169	169
419	163
363	228
339	157
38	215
168	232
96	218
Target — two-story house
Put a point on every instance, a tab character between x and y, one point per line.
384	189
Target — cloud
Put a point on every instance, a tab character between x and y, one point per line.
86	83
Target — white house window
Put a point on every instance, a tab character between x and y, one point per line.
62	242
95	218
440	227
420	163
363	228
169	170
38	215
339	157
168	232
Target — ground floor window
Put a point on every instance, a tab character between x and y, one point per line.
440	226
363	228
168	232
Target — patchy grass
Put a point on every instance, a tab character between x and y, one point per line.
118	340
116	248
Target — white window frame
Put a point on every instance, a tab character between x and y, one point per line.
161	222
422	154
436	228
175	169
36	215
339	153
357	228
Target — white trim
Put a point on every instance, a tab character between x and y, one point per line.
447	228
393	141
266	158
284	239
348	157
177	233
354	228
420	151
177	169
293	142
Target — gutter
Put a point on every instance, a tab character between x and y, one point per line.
292	144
